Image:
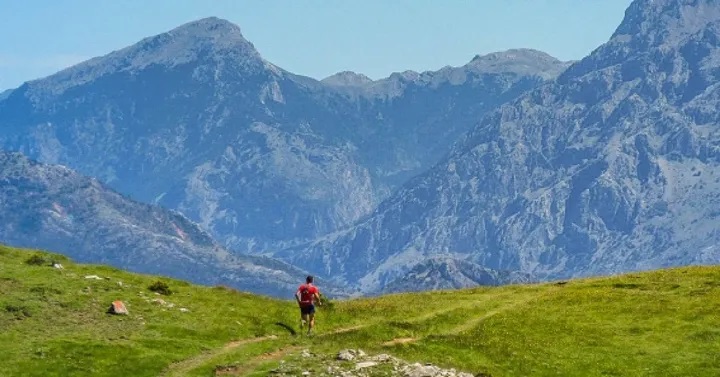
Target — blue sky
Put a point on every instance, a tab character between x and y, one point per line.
310	37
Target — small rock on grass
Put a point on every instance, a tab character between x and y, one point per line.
383	358
346	355
365	364
118	307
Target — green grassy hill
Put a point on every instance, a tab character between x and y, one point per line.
53	323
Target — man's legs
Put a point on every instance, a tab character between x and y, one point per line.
312	322
303	320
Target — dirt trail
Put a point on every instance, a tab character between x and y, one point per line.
476	321
399	341
184	366
463	327
346	329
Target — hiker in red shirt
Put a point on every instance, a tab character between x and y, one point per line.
307	295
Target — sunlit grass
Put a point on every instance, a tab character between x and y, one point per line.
53	322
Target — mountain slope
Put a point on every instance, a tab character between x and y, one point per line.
195	120
614	167
649	324
54	208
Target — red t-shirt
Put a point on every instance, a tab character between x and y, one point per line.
307	294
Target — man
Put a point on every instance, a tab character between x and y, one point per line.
306	296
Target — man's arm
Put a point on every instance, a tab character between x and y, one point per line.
297	296
317	296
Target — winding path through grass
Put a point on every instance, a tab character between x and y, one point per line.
182	367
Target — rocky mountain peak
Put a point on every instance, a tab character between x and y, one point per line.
210	25
407	75
519	61
211	32
206	40
667	21
657	28
347	78
512	54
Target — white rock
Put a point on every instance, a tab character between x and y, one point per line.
346	355
417	370
365	364
383	357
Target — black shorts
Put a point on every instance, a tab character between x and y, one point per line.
307	309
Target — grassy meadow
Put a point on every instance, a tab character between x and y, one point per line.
53	322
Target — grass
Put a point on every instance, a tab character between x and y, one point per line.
53	323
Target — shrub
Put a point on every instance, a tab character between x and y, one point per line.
160	287
36	260
19	311
327	303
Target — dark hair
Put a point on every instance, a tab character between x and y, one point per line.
309	279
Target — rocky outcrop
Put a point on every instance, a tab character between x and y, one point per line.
354	363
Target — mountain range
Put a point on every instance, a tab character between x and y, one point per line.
513	167
197	121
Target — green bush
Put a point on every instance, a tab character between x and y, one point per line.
327	303
37	260
20	311
160	287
